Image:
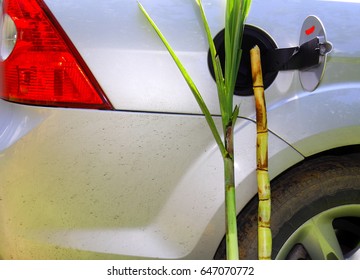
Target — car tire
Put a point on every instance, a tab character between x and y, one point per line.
315	212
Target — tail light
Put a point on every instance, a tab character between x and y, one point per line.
38	63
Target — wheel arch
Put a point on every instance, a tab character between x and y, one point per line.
351	151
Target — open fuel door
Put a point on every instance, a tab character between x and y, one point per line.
309	57
313	29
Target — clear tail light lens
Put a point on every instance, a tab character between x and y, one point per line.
38	63
8	36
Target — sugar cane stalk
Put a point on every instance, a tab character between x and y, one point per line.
236	13
264	210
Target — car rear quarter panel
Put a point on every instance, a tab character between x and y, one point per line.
122	49
82	183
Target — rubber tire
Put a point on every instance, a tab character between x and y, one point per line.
299	194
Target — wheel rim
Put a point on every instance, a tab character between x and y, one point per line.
332	234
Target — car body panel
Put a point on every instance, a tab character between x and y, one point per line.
146	180
120	182
119	45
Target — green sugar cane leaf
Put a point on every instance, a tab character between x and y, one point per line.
190	83
219	77
235	115
237	12
220	83
247	4
213	52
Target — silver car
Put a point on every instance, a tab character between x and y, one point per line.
104	153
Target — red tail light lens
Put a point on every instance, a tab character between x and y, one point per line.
39	65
